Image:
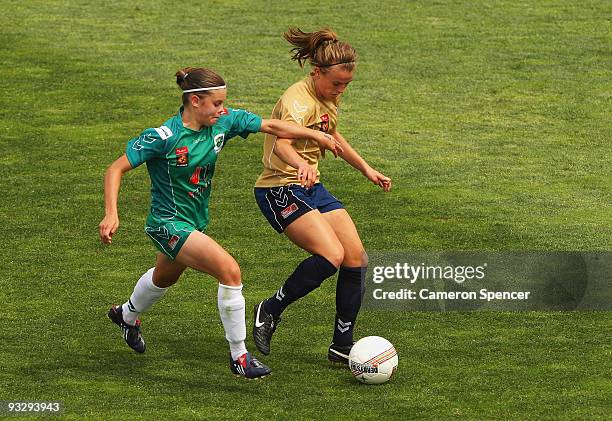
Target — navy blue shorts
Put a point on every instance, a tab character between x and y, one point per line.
283	205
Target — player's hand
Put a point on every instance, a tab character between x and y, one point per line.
306	175
329	142
108	227
379	179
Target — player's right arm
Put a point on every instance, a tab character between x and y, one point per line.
150	144
112	181
283	148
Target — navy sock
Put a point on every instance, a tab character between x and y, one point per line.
349	294
306	277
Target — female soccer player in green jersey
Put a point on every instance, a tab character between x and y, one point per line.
292	198
180	156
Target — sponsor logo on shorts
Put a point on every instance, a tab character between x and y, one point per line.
173	241
289	210
182	156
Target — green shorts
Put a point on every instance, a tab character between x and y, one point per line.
169	237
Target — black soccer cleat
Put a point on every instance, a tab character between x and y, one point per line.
248	366
264	325
339	353
131	334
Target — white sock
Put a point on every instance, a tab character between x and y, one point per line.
231	309
144	296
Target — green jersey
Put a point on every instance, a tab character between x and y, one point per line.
181	164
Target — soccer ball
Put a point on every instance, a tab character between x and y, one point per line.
373	360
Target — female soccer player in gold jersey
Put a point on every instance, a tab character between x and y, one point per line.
295	202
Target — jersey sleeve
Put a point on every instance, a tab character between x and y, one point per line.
242	123
150	144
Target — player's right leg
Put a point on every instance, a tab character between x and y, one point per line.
204	254
149	289
312	233
153	284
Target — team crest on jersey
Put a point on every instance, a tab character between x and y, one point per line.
224	112
182	156
219	140
299	111
325	122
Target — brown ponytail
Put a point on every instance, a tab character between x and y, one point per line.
197	77
321	48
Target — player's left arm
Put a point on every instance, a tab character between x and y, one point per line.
351	156
287	130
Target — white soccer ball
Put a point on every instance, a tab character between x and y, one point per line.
373	360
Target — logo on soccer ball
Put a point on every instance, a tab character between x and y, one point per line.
364	368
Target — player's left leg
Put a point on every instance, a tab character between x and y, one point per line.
204	254
350	286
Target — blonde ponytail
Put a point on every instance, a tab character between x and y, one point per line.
321	48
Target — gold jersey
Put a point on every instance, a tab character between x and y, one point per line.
300	105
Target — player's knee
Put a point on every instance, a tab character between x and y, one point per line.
355	258
335	255
230	274
365	260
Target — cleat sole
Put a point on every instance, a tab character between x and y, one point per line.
251	378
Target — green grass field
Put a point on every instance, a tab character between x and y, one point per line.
492	118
